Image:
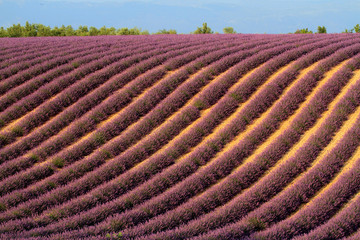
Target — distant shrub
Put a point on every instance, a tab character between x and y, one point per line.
357	28
131	31
229	30
321	29
303	31
348	31
203	30
164	31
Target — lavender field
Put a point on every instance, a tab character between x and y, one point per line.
236	136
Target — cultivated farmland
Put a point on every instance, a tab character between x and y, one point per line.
180	137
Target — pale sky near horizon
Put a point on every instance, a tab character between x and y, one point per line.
245	16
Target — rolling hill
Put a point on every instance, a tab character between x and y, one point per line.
234	136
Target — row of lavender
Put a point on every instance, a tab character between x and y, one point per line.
43	71
28	59
165	221
308	152
49	85
43	66
30	54
85	103
51	88
211	199
146	185
13	51
91	124
129	180
174	63
312	181
265	189
134	45
156	90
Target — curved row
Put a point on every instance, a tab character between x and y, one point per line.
150	94
309	216
69	136
29	60
180	137
108	107
14	51
309	150
28	108
345	222
277	113
87	103
21	77
169	79
17	93
172	170
214	86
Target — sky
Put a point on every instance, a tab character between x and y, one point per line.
245	16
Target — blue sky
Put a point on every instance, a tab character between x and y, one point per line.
245	16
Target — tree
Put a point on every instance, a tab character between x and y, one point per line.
123	31
228	30
164	31
30	30
58	31
131	31
357	28
145	32
348	31
69	31
3	32
321	29
82	31
303	31
15	31
127	31
33	30
112	31
135	31
107	31
204	30
93	31
43	30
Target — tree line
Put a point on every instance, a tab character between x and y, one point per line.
40	30
322	29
